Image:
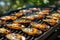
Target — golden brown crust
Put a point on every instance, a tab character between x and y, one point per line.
4	31
2	22
18	14
58	11
8	18
56	15
39	16
53	17
28	17
15	26
32	17
23	21
43	26
51	21
32	31
14	36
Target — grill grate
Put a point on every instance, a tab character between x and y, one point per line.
19	32
22	33
27	36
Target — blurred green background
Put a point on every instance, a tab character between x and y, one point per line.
7	5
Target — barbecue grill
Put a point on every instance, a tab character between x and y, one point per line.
43	36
